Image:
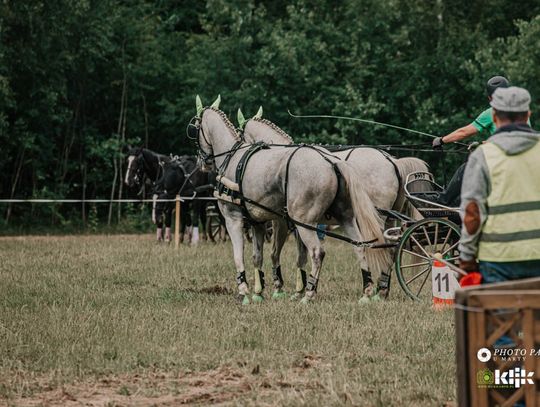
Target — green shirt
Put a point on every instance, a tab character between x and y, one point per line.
484	122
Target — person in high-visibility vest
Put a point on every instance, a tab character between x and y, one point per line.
500	196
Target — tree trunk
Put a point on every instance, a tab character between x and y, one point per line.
115	157
120	161
14	181
145	122
83	206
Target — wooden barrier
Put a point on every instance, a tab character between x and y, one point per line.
485	316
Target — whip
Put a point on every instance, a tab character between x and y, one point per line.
356	119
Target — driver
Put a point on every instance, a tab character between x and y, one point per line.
482	125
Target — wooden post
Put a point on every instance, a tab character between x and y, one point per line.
177	223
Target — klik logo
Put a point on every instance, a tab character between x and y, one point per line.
510	378
485	377
483	355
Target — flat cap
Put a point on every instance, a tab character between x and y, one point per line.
512	99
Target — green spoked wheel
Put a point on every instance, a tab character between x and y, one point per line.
414	255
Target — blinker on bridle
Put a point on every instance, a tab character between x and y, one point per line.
194	132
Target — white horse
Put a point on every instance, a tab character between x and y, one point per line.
302	184
381	175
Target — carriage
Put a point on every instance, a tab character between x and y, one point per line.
419	242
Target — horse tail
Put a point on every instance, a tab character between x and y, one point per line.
367	218
406	166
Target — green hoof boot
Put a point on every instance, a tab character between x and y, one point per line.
297	296
305	300
279	295
376	298
245	300
257	298
364	300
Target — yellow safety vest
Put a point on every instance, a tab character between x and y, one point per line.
512	228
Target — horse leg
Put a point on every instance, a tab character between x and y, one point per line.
159	221
301	262
258	245
279	238
189	223
316	252
184	212
201	212
235	227
168	221
368	288
154	219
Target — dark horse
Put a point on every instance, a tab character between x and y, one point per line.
145	165
183	176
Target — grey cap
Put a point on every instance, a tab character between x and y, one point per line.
512	99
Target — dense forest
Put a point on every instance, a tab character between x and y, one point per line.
81	79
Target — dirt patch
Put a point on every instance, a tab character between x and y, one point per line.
214	290
220	386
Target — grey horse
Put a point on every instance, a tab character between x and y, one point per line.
381	176
281	178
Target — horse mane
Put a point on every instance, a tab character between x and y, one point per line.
274	127
227	122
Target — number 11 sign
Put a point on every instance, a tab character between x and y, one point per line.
444	282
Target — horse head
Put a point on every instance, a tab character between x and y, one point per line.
199	131
258	129
135	167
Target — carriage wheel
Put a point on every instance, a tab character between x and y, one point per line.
414	254
213	223
213	227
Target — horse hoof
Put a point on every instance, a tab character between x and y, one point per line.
243	299
376	298
257	298
364	300
296	296
279	295
306	300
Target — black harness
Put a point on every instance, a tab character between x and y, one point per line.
239	174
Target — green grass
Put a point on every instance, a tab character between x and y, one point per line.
77	310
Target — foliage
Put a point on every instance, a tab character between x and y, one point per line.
80	80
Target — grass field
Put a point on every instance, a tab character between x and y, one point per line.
119	320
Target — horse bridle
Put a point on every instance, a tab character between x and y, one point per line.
195	131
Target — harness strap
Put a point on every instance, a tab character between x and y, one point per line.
239	176
285	215
240	171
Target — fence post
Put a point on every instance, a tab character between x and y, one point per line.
177	222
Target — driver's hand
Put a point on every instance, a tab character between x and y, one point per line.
473	145
437	143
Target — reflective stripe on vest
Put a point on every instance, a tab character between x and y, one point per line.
512	228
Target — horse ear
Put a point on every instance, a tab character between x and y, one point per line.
259	113
216	103
241	119
198	104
